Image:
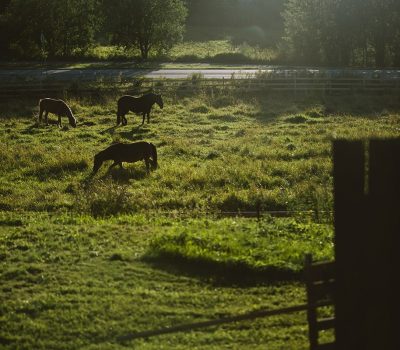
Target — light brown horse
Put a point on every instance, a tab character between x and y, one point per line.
57	107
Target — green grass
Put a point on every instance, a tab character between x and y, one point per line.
188	54
72	282
271	247
221	51
87	259
211	51
217	154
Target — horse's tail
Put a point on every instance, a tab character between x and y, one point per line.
153	151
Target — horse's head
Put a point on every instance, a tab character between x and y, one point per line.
71	118
159	101
72	122
98	161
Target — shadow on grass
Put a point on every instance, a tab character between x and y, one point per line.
138	133
219	273
57	170
272	105
124	175
110	130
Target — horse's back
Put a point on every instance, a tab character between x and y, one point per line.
129	152
53	105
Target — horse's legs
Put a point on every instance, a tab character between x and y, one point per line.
114	164
144	116
40	114
146	160
59	121
148	117
118	119
45	117
124	120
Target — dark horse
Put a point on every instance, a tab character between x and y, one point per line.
57	107
127	152
137	105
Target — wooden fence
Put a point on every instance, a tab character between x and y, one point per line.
295	85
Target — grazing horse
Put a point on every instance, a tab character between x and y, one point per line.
127	152
137	105
57	107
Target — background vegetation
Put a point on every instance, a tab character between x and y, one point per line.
302	32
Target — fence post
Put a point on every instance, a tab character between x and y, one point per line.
367	239
349	163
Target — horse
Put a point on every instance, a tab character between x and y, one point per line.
127	152
57	107
137	105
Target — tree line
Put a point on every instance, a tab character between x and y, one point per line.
62	28
343	32
320	32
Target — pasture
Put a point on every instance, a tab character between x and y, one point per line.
85	259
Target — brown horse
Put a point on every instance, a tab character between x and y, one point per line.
57	107
139	105
127	152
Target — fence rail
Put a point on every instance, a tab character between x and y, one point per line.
135	85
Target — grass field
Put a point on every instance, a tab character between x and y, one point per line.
87	259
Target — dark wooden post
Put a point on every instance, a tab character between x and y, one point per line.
367	231
349	185
383	246
311	307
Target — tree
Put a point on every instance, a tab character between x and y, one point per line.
342	32
146	24
302	30
65	26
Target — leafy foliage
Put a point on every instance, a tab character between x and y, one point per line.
343	33
146	24
54	28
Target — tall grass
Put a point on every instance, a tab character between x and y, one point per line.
219	151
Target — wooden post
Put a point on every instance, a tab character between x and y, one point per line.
349	184
382	245
367	232
311	308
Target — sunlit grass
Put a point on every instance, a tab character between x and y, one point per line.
86	259
213	51
217	154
